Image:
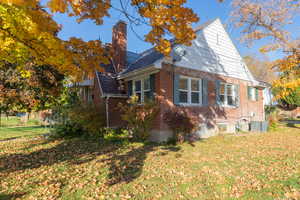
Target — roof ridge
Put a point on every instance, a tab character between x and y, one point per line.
204	25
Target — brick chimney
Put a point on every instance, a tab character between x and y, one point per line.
119	45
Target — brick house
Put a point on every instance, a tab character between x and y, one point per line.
209	79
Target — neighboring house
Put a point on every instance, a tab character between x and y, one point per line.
209	79
268	96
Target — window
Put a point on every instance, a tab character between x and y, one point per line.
142	89
146	88
189	90
252	93
183	90
227	94
86	94
195	91
138	89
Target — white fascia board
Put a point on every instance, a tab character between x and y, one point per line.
84	83
147	70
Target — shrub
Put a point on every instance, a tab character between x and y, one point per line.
90	118
117	136
68	129
273	126
139	117
87	119
181	123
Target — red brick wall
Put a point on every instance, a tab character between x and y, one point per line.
211	114
114	115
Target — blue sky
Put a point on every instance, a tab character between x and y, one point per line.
206	10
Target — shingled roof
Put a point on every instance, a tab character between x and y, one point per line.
109	84
145	59
108	68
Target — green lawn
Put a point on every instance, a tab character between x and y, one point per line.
13	121
18	132
258	166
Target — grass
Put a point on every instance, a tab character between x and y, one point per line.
258	166
18	132
13	121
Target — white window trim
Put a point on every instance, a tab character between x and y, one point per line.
225	104
142	91
189	91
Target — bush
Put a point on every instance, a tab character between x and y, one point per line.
181	123
117	136
68	129
273	116
273	126
90	118
139	117
87	119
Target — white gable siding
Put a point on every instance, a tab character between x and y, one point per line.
213	51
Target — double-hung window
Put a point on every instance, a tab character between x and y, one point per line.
138	89
146	89
228	94
141	88
189	90
252	93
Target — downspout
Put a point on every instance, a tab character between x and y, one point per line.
107	114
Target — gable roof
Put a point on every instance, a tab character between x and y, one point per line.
213	51
150	56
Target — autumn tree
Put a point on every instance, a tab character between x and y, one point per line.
262	69
268	20
29	33
31	90
290	101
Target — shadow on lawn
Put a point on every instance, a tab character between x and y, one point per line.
129	166
125	162
292	124
11	196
